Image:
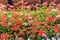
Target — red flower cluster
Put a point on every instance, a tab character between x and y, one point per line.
55	29
49	19
41	33
19	22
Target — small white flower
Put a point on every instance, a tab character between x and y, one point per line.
11	6
21	13
54	10
9	16
28	38
25	24
20	18
30	18
9	23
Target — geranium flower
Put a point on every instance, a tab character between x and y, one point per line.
58	16
58	25
3	19
16	28
10	20
53	3
15	25
15	4
16	35
44	35
55	19
12	29
32	27
15	15
55	29
3	36
0	10
28	32
32	36
28	7
34	30
9	35
45	4
19	21
20	38
4	24
39	1
21	33
47	26
34	23
2	6
58	6
36	6
3	16
26	16
25	3
41	33
22	1
49	19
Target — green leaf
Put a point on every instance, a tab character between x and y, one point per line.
8	39
51	33
39	12
32	39
26	36
43	7
53	14
9	13
16	38
39	38
32	14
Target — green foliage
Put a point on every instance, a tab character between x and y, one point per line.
3	29
53	14
32	14
50	33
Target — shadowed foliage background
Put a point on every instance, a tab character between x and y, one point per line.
30	1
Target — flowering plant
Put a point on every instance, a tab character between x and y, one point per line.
28	24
